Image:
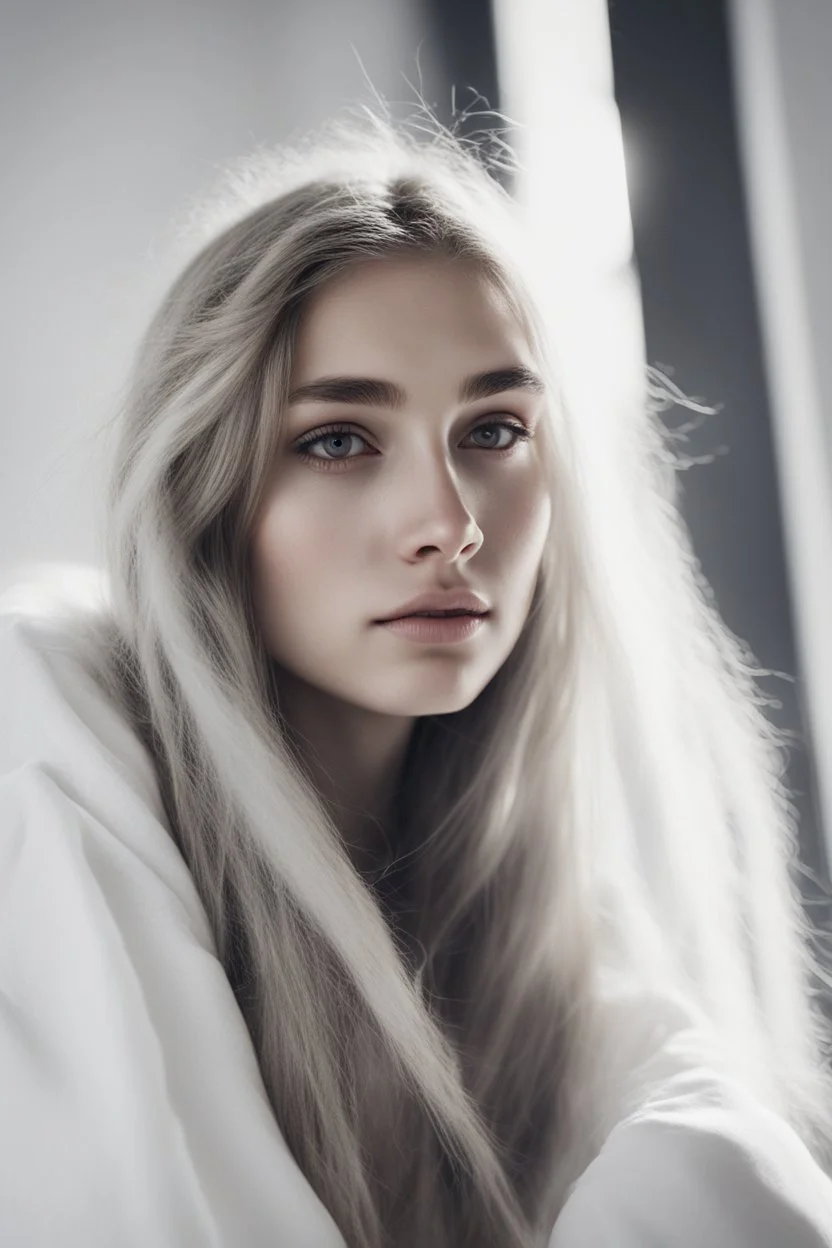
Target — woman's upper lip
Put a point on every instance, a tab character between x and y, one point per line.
441	600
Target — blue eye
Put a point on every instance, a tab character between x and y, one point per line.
520	433
342	435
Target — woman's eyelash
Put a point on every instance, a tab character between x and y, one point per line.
522	433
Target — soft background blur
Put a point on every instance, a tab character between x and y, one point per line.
701	239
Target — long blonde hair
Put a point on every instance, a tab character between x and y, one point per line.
430	1040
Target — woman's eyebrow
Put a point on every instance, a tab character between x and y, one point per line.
373	392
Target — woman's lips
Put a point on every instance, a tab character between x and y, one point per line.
436	629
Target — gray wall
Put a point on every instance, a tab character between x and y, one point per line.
782	50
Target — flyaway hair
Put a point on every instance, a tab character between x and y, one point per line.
431	1039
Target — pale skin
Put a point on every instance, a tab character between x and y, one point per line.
405	502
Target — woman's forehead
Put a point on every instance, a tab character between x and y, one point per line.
405	311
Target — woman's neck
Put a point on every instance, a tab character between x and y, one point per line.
355	758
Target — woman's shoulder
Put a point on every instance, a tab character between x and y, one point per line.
57	635
66	738
130	1086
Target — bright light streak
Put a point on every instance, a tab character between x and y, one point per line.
555	65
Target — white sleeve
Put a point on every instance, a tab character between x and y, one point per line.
132	1110
703	1168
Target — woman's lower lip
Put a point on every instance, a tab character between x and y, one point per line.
436	628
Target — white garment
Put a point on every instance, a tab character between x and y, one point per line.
132	1110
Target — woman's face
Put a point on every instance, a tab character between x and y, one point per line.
402	498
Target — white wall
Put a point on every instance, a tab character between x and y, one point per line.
115	116
782	51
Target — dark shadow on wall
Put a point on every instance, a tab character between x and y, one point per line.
467	52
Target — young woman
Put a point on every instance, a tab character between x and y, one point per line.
396	852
